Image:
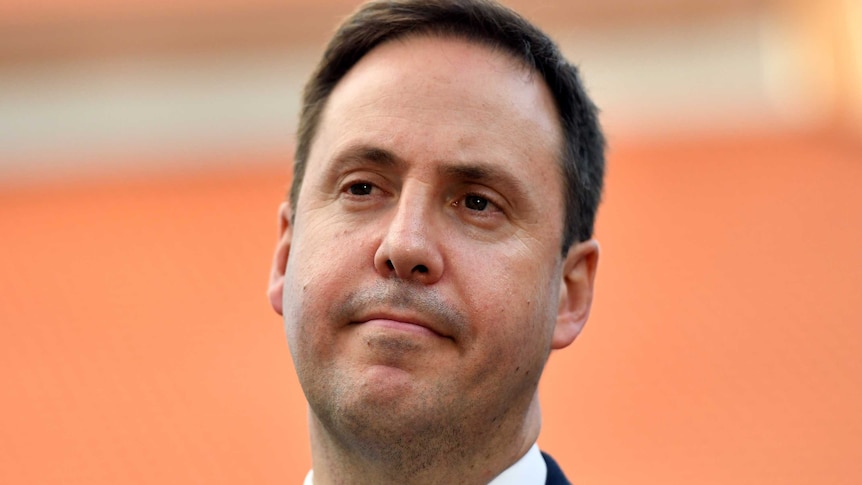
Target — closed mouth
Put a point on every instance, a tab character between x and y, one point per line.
400	323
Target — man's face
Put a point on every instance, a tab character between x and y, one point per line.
424	274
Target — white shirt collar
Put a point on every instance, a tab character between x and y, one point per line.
530	468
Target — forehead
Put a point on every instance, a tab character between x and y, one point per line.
452	71
432	98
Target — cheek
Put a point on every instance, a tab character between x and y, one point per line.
325	262
518	299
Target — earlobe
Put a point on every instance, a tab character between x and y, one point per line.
576	292
279	261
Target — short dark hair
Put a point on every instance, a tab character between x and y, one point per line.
491	24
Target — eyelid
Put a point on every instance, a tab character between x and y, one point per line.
380	185
492	201
348	184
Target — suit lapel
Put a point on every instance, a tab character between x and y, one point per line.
555	474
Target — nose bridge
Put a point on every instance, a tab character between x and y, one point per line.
409	248
412	218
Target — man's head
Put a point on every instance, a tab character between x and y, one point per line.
488	23
419	269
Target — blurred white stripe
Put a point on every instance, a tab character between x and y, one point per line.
736	73
147	107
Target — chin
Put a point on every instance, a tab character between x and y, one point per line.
382	400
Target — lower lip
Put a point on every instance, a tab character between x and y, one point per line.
401	327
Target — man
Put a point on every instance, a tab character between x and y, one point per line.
437	243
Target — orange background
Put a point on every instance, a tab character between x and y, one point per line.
137	345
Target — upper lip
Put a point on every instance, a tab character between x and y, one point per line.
404	318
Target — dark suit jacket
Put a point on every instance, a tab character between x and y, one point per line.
555	475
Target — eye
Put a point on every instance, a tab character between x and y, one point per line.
476	203
360	188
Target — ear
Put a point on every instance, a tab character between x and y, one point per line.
576	292
279	261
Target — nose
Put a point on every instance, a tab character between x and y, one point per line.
410	248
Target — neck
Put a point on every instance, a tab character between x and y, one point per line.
438	453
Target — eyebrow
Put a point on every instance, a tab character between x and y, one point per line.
367	153
485	173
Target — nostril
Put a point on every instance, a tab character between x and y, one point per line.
390	265
421	268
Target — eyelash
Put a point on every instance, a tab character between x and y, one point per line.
491	207
369	185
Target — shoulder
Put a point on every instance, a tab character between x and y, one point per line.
555	474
